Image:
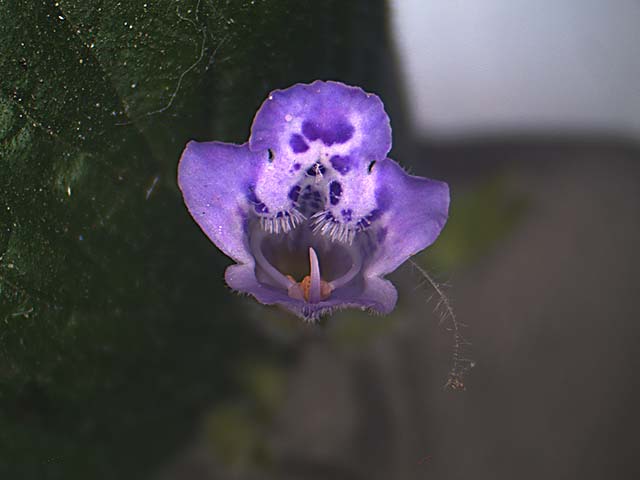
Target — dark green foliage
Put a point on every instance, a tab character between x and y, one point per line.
116	328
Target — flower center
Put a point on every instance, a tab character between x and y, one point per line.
312	288
288	253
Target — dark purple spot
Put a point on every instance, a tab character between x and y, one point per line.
342	132
346	214
338	132
316	169
296	166
258	206
341	164
363	223
366	221
311	130
261	208
335	192
251	195
297	143
374	215
294	193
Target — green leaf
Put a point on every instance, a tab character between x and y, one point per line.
116	329
103	342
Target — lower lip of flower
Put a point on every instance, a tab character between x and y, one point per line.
293	251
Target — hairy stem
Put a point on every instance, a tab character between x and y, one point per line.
460	365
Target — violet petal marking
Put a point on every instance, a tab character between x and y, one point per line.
298	145
341	164
337	131
310	208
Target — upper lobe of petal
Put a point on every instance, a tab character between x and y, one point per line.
215	180
329	113
413	211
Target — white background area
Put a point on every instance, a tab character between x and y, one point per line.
477	67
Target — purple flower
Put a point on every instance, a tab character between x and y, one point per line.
310	208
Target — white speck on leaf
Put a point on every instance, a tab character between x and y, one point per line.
152	187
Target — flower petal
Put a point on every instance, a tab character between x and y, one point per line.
377	295
414	211
331	113
315	163
323	125
215	179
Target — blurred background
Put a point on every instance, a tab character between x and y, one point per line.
496	67
123	355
